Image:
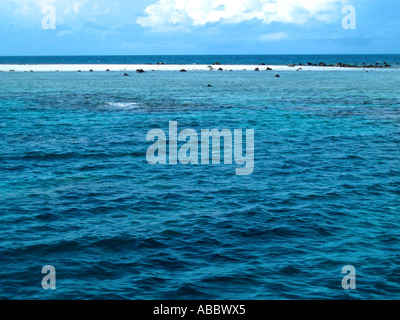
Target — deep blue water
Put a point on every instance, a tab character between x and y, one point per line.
76	191
391	59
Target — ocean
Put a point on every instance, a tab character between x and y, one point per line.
77	192
391	59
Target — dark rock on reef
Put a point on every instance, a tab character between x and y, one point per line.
262	64
338	65
291	65
209	85
257	69
12	70
183	70
322	64
108	70
268	69
220	69
79	71
91	70
126	75
140	71
277	76
309	64
217	63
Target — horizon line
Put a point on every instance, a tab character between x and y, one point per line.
214	54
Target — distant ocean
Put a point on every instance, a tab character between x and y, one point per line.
393	60
77	193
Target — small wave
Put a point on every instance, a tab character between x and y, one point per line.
123	105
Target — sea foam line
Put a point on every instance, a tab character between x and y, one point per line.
154	67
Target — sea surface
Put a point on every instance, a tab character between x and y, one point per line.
77	193
393	60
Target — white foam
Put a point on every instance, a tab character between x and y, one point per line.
123	105
172	67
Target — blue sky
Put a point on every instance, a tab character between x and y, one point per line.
140	27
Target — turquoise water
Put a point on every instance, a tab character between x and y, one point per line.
392	59
77	192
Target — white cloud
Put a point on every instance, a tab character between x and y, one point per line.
73	8
170	13
273	36
28	7
73	13
64	7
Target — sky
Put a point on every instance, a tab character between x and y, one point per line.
168	27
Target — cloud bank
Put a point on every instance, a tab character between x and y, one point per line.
165	14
